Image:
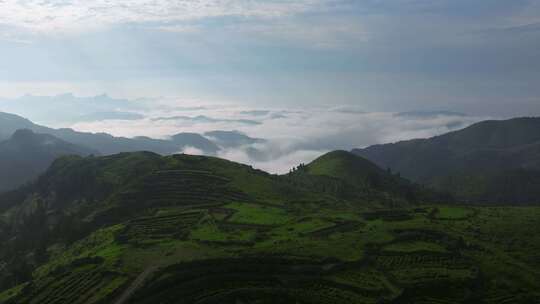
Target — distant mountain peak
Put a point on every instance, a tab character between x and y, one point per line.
23	135
344	165
26	154
428	114
232	138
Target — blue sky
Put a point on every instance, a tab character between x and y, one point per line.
474	56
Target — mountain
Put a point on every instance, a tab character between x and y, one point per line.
27	154
364	175
102	142
9	123
230	139
194	140
474	163
428	114
144	228
107	144
347	166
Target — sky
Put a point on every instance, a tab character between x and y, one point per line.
329	73
478	57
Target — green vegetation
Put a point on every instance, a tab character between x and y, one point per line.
190	229
257	214
7	295
413	246
490	162
453	213
346	166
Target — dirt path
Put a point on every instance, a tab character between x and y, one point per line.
135	285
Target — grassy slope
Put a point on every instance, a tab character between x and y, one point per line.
276	240
491	252
365	177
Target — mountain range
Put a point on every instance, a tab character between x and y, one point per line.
106	144
485	163
27	154
488	162
99	143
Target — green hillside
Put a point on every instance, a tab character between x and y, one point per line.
142	228
346	166
363	176
26	155
474	163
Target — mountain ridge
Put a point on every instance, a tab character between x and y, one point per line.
485	150
106	144
27	154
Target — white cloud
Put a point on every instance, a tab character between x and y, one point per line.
319	33
77	15
10	37
299	136
280	165
192	151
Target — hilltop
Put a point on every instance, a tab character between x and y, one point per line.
362	176
345	165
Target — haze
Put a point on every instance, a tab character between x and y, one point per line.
288	66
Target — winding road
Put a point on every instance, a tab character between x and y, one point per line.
139	281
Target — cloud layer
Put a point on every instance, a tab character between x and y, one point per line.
471	56
80	15
290	136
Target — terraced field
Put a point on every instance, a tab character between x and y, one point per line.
268	279
83	285
419	264
182	188
196	236
246	252
168	225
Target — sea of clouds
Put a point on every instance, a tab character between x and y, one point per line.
291	135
